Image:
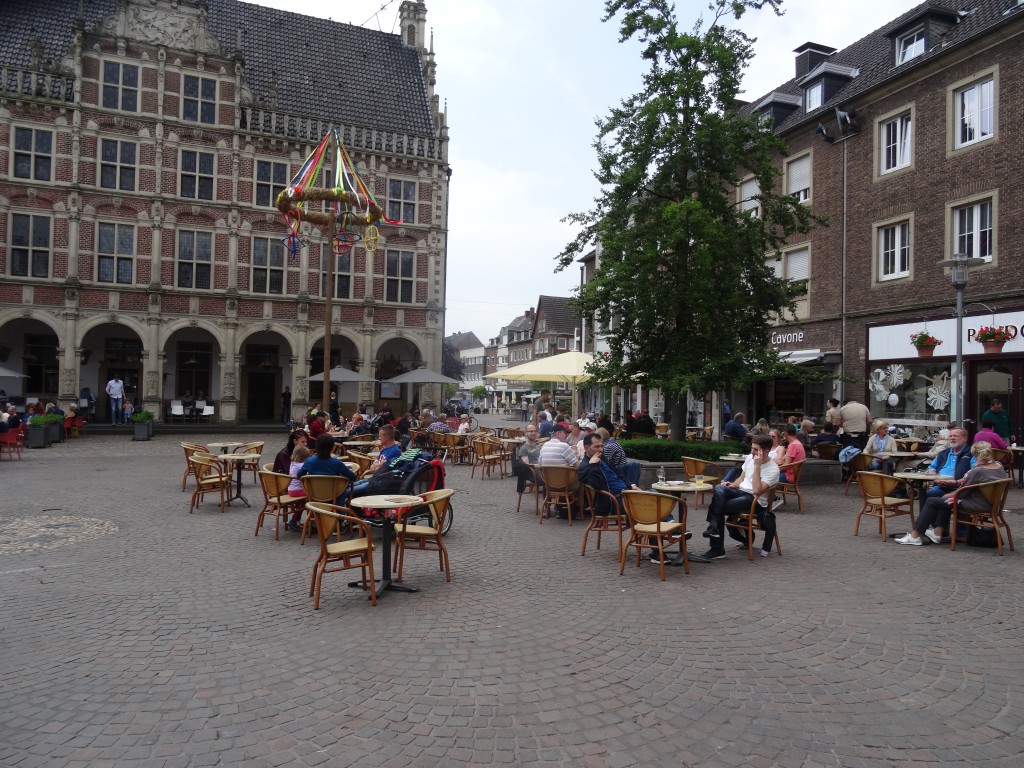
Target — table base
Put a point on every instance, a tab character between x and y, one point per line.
385	584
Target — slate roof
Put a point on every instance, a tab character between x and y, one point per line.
322	68
873	54
464	340
558	314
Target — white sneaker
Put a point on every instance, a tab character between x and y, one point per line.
765	553
909	539
778	503
931	534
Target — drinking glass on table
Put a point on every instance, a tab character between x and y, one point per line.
661	474
699	479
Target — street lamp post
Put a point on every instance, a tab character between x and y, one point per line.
959	266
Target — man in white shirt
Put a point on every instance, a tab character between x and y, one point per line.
115	391
759	474
556	452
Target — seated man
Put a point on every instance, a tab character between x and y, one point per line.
526	460
387	478
953	461
735	428
826	436
596	472
759	474
557	453
794	452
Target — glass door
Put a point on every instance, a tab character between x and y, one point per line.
1002	381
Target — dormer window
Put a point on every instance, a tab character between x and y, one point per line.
910	46
813	96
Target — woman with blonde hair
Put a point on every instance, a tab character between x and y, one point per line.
933	522
881	442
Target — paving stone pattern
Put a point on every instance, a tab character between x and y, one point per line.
136	634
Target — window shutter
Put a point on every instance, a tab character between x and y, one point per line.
798	264
776	266
749	189
798	175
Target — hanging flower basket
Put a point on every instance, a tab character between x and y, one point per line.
925	343
992	339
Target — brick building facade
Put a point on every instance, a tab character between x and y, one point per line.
910	142
142	148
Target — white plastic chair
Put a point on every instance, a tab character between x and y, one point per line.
207	413
177	410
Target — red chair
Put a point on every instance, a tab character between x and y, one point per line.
69	427
80	425
10	442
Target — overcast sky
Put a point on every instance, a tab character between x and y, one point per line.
524	82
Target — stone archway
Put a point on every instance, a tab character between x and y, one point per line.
193	367
109	348
265	368
396	356
344	352
30	346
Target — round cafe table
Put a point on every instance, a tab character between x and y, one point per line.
915	481
678	488
390	508
224	447
1018	458
239	460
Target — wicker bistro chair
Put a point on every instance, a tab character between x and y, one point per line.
276	500
646	512
531	484
858	464
324	489
989	519
1005	458
786	488
754	521
487	454
457	447
876	489
426	537
828	451
190	450
364	460
711	471
253	464
344	555
561	487
614	522
210	477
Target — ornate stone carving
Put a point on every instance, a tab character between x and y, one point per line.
300	389
159	23
71	294
68	378
229	385
232	305
152	384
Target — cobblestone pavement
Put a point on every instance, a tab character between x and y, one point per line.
135	634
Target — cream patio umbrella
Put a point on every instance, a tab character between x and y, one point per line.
567	367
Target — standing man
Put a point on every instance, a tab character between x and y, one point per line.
115	391
540	404
1001	420
832	414
286	405
855	419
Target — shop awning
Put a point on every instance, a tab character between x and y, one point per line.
799	356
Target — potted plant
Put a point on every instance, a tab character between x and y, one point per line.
925	343
992	339
54	427
37	433
143	421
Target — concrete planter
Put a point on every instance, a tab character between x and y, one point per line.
54	433
141	430
37	438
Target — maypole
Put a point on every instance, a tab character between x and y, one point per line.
352	216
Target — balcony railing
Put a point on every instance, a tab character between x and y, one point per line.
37	85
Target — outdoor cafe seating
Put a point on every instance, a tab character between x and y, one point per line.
649	528
356	552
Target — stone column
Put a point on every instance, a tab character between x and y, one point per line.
229	367
151	385
69	353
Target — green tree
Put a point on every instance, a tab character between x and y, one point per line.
479	392
451	361
683	269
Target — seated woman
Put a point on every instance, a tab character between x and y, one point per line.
283	459
988	434
880	442
761	428
324	463
933	521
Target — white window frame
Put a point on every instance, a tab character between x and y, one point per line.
910	46
782	264
748	195
896	143
32	250
121	254
973	102
344	278
894	239
33	154
120	165
974	228
563	343
199	102
803	193
399	281
814	96
196	236
197	176
399	203
121	91
271	186
268	260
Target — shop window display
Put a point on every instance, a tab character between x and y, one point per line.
916	392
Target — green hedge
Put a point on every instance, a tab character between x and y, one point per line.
652	449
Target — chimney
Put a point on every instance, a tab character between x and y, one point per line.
810	55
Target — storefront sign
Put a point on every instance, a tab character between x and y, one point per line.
791	337
892	342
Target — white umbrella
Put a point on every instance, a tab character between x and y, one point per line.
8	373
421	376
342	375
567	367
